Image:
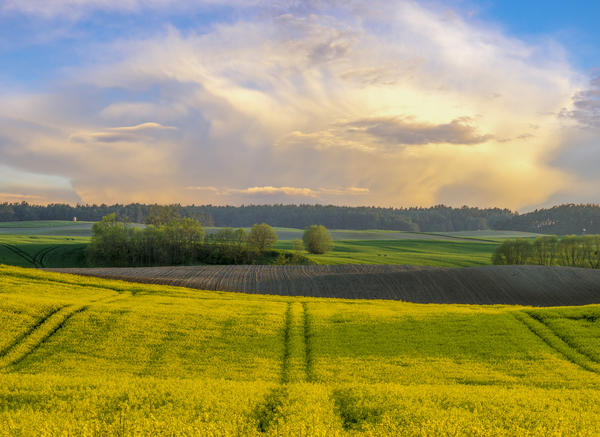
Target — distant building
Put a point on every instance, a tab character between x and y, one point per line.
74	219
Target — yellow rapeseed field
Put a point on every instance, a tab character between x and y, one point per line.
81	356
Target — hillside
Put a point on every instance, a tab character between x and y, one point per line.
81	355
490	285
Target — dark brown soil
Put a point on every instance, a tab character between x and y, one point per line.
522	285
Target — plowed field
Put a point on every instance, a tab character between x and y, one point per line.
520	285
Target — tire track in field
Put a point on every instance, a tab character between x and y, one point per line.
268	412
43	259
21	253
556	343
307	331
39	254
563	338
34	338
29	331
287	345
40	257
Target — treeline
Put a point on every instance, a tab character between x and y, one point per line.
564	219
560	220
571	250
182	241
438	218
133	212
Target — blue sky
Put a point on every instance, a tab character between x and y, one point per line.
573	23
213	101
34	47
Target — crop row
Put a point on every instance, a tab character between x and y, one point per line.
522	285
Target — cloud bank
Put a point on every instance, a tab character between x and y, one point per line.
394	105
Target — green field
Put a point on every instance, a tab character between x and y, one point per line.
42	250
61	245
85	356
55	251
438	253
84	229
47	227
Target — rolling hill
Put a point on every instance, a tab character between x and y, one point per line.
88	356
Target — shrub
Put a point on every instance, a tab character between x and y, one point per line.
317	239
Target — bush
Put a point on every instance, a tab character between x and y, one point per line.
262	237
317	239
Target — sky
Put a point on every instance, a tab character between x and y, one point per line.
489	103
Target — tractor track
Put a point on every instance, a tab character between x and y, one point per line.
43	330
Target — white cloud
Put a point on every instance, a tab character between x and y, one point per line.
414	106
289	194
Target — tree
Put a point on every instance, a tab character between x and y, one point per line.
297	245
544	250
159	215
262	237
317	239
513	252
110	242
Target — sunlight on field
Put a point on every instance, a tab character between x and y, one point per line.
86	356
437	253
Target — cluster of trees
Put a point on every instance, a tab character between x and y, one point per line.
172	240
564	219
134	212
572	250
561	220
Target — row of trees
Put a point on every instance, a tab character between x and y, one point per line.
180	240
172	240
563	219
438	218
572	250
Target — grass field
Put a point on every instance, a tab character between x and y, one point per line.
84	229
47	227
68	251
438	253
85	356
462	249
42	250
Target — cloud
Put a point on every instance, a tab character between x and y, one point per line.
17	185
586	106
137	133
16	197
408	132
74	9
304	101
142	127
281	194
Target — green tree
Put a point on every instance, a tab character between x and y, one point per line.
513	252
159	215
110	243
317	239
544	250
261	237
592	251
297	245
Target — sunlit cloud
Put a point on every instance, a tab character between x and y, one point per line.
121	134
311	102
285	191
